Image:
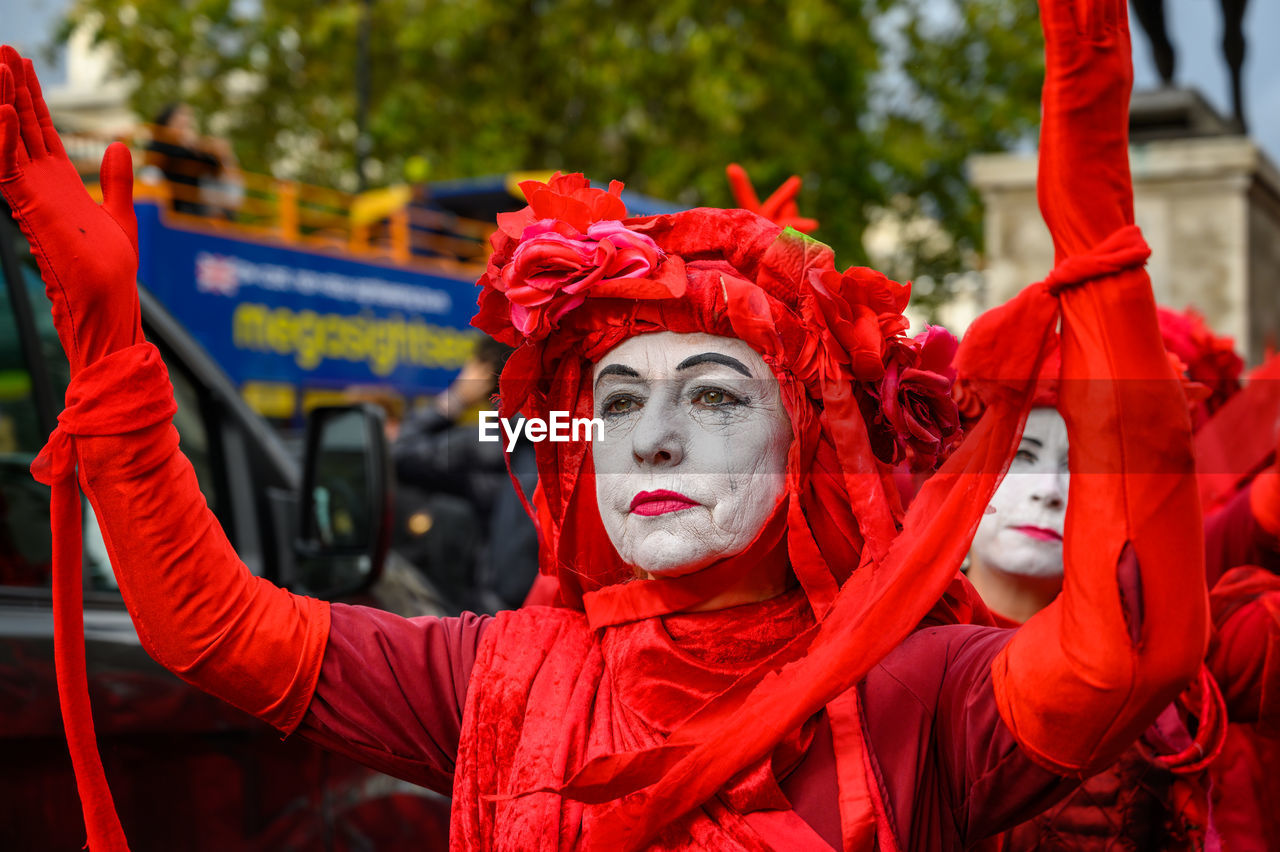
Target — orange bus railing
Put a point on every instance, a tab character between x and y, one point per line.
392	224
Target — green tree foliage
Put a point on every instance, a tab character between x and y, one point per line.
875	103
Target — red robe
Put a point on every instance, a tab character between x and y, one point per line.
948	770
1138	803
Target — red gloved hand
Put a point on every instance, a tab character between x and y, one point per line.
780	207
1084	187
87	253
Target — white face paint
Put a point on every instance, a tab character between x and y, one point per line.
693	460
1023	535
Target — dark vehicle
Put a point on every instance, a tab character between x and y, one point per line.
186	771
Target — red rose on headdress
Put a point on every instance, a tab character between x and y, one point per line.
623	253
570	199
554	265
916	409
567	244
857	311
1208	359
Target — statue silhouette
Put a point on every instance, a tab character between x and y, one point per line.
1151	15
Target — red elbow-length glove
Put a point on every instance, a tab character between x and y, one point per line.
1087	674
197	609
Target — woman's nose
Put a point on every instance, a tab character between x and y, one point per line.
658	438
1050	491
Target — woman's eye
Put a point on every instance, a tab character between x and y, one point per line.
1025	456
714	398
620	405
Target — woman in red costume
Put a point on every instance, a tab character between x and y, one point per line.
1170	791
755	648
1157	795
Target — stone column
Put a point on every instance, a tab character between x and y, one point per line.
1209	206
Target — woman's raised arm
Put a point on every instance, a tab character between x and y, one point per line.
1083	677
193	600
197	608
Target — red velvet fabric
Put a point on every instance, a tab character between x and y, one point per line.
550	706
944	768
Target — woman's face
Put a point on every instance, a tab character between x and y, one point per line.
693	460
1022	530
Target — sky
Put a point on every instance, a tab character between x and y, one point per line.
1195	28
29	26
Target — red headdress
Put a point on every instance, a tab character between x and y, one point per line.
1207	359
1207	364
570	278
568	281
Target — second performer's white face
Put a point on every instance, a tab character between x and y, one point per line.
1023	535
693	459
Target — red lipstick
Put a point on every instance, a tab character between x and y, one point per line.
1040	533
660	502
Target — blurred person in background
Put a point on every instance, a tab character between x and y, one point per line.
470	535
202	172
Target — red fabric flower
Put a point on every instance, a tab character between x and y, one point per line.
570	199
968	402
551	255
918	417
859	309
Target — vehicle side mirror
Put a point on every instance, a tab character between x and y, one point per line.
346	502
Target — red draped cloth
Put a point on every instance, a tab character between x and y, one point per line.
945	768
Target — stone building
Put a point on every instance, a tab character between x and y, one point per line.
1208	203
